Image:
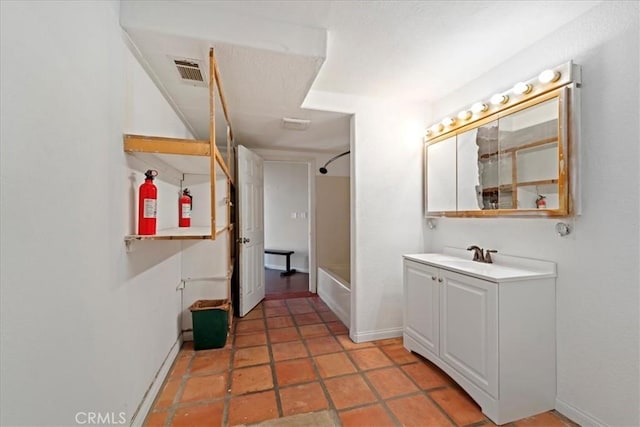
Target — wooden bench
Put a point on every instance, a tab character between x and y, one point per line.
289	271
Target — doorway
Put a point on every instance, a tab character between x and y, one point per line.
288	224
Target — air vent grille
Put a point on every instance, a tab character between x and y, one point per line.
190	71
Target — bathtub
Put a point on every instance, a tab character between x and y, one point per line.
335	290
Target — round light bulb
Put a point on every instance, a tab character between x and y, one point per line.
479	107
437	128
498	99
548	76
448	121
464	115
521	88
429	133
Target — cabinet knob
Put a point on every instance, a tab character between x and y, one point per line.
433	277
440	280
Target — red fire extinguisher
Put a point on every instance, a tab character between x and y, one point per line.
147	204
541	203
185	204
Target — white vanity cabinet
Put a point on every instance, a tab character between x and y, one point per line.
490	327
469	328
422	304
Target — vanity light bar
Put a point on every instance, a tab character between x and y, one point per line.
546	81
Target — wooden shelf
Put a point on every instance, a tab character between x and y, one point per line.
541	182
162	145
539	143
176	233
509	187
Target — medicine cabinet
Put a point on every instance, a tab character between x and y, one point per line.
517	159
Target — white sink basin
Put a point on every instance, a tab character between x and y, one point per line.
519	269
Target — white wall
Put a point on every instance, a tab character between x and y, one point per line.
598	277
84	325
386	213
286	193
386	205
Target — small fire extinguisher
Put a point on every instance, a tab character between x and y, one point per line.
541	203
147	204
185	204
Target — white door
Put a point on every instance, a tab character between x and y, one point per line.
251	229
468	328
422	303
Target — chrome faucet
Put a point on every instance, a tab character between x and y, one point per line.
481	255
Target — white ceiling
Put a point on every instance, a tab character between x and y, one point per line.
271	53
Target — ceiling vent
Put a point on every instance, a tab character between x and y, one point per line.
295	124
190	71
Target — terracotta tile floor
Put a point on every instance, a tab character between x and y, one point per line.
292	356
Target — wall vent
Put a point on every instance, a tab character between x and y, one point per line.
295	124
190	71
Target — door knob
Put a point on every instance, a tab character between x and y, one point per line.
440	280
243	240
433	277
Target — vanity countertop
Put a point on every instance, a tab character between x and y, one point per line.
505	268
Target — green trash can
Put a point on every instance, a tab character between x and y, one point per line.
210	323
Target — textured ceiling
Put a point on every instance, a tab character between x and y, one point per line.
271	53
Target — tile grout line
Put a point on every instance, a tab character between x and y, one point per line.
309	356
272	364
316	369
422	391
441	409
379	399
418	392
230	396
382	401
227	398
358	372
173	408
427	392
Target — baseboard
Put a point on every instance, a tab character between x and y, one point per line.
283	268
381	334
147	401
339	311
576	415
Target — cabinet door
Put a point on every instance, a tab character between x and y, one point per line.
441	176
421	301
469	328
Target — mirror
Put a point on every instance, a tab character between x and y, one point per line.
441	168
528	146
512	162
477	168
